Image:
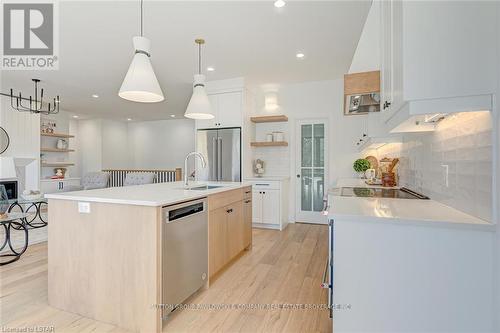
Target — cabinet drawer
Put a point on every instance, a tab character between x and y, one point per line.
265	185
247	192
223	199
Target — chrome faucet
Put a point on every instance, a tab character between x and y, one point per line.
203	164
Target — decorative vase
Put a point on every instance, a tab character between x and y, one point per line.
4	201
62	144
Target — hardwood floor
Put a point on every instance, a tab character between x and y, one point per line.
282	268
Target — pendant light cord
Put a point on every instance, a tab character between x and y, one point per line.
199	58
142	35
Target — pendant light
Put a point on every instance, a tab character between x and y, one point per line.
199	106
140	83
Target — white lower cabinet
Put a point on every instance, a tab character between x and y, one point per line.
59	185
269	208
257	206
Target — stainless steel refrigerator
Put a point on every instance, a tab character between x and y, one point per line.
222	150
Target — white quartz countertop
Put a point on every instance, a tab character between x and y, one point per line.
155	195
413	211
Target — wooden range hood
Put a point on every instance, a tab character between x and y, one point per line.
363	84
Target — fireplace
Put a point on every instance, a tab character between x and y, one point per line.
11	188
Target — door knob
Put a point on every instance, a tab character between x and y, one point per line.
298	176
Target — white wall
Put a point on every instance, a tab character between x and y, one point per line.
102	144
23	129
161	144
90	145
116	149
24	132
367	55
110	144
322	99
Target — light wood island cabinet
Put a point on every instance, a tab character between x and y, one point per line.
105	248
229	227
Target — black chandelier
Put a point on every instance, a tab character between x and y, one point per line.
33	104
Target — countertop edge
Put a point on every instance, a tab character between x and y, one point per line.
113	201
406	222
193	195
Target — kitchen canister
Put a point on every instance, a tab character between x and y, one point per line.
278	136
269	137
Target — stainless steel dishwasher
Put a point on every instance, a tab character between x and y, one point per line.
185	251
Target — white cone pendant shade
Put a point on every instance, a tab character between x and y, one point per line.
199	106
140	83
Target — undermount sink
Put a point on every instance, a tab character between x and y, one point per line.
203	187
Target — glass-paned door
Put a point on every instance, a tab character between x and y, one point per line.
311	170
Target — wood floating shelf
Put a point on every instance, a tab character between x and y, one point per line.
57	135
55	150
57	164
269	119
269	144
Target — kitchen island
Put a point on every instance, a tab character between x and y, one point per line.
409	265
106	257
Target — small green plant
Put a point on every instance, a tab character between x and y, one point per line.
361	165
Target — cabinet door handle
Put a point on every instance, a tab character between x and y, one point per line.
386	104
248	201
247	192
229	211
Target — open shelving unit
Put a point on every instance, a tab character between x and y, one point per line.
51	156
58	135
56	150
269	144
269	119
57	164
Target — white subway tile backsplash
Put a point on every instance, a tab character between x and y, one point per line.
462	144
276	160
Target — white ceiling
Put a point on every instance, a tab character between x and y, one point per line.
250	39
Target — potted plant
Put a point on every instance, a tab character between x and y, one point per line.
360	166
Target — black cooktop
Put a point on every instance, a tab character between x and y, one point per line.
378	192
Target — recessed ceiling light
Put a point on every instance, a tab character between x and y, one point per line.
75	116
279	3
300	55
129	119
172	115
95	95
210	69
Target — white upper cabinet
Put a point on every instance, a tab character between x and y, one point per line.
449	48
228	111
385	54
209	123
441	51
